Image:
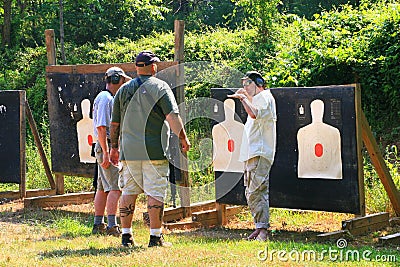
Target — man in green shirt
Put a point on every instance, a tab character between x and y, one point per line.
144	110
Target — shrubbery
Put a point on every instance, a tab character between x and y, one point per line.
337	47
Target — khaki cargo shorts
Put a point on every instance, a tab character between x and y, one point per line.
144	176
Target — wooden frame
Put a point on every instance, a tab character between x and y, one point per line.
101	68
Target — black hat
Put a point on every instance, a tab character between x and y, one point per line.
255	77
146	58
252	75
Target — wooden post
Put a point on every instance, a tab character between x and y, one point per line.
22	144
50	47
221	213
38	143
59	184
180	95
51	60
379	164
361	187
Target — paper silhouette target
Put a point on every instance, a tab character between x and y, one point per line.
84	129
319	146
227	138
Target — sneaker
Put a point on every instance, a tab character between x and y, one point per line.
127	240
114	231
99	229
158	241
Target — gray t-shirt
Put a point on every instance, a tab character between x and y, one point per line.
141	113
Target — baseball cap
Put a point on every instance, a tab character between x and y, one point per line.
146	58
116	70
252	75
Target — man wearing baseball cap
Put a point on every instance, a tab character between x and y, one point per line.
142	108
107	191
258	148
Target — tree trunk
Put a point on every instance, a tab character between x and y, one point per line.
6	34
62	32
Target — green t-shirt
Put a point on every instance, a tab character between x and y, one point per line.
141	113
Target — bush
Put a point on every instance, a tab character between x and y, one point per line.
344	47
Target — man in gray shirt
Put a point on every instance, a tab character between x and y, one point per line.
108	191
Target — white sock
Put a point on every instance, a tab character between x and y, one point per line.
156	232
126	230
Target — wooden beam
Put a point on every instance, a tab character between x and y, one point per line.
380	165
366	220
22	144
360	163
210	217
179	56
50	47
394	221
102	68
332	235
39	145
367	224
59	184
182	225
59	200
29	193
221	213
393	239
202	206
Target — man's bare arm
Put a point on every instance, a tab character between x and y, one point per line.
114	137
176	124
114	134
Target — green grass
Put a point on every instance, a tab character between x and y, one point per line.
58	237
202	178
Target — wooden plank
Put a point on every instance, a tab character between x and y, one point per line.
393	239
179	28
365	221
360	163
175	214
29	193
394	221
22	144
101	68
39	145
221	214
59	184
59	200
332	235
50	46
213	214
380	165
204	215
182	225
233	210
202	206
368	229
40	192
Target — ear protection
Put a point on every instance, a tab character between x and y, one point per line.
259	81
114	79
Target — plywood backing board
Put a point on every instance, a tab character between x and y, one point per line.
341	193
67	87
12	137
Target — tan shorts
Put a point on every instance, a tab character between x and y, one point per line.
144	176
107	179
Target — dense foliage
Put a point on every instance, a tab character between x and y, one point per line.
345	45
